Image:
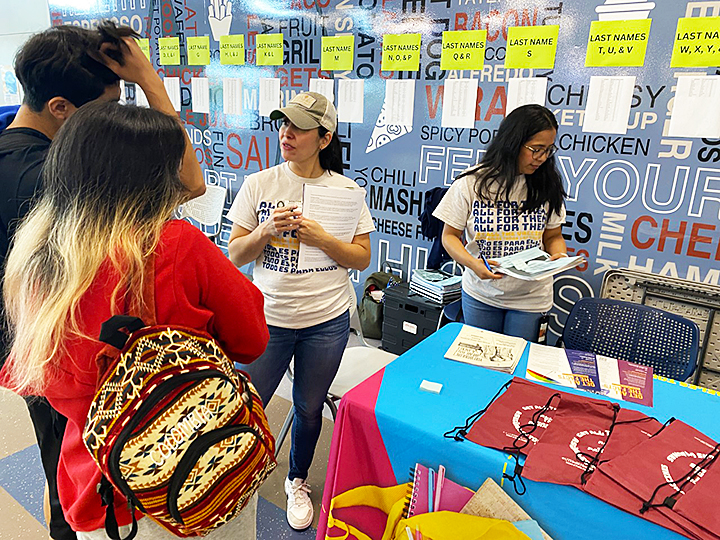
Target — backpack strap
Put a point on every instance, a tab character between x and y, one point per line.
106	491
110	330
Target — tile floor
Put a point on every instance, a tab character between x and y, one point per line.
22	482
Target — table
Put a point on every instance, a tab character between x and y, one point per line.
387	424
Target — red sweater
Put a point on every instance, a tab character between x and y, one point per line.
195	286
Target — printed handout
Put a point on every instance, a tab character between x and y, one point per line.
351	101
399	102
326	87
696	108
172	87
525	91
232	96
591	372
459	103
269	96
337	210
486	349
533	264
200	88
608	105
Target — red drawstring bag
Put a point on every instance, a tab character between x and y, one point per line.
585	432
515	420
661	472
606	489
693	505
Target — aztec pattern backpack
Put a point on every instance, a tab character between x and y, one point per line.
176	429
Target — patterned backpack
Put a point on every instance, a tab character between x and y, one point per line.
176	429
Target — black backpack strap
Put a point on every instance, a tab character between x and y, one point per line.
110	330
107	495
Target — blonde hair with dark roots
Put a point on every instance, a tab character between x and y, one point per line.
110	184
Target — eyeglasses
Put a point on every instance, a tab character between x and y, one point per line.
537	153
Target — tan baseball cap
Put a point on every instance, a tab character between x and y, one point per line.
308	111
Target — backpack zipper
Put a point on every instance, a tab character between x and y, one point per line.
197	448
155	398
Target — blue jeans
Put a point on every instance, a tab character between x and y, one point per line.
503	321
317	350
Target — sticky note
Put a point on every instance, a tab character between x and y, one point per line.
531	47
144	44
401	52
269	49
232	50
617	43
169	51
463	49
697	42
198	49
338	53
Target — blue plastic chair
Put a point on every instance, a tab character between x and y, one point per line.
634	333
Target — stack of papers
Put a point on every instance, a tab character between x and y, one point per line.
486	349
591	372
436	285
533	264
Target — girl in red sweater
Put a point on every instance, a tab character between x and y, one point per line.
111	185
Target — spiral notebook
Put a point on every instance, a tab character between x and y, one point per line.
453	497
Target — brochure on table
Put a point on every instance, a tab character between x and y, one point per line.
594	373
486	349
337	210
533	264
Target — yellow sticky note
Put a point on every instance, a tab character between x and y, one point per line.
232	50
144	45
338	53
198	49
169	51
463	49
531	47
401	52
269	49
697	42
617	43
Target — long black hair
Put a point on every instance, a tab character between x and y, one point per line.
497	173
331	155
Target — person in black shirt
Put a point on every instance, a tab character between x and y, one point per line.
60	70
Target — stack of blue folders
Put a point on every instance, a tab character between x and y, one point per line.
437	285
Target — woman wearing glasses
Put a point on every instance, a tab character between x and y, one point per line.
511	201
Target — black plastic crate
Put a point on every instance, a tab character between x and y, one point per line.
408	318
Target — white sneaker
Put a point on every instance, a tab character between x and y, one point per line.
299	505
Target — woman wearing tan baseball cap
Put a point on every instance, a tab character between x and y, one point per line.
306	310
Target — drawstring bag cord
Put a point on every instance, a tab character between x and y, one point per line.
518	445
458	433
594	461
670	501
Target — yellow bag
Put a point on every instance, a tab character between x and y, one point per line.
434	525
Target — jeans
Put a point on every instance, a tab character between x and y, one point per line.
317	350
504	321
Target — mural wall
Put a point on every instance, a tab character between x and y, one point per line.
641	200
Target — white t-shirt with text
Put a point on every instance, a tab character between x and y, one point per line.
497	230
293	298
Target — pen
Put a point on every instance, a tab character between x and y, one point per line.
438	487
486	262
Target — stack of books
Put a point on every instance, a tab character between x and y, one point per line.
436	285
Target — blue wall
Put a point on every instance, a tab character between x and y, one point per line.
642	200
